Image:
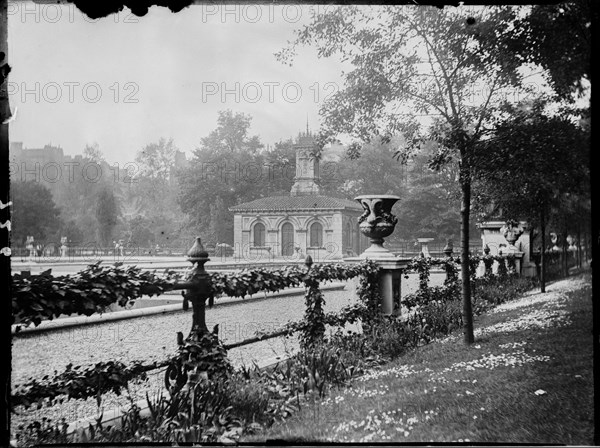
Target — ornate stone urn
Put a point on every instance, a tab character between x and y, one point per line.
512	230
377	222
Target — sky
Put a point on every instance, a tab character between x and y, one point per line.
125	81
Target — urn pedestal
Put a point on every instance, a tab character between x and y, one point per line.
517	243
377	222
424	248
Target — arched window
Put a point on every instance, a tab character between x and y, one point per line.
316	235
259	234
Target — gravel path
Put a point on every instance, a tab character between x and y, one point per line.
154	337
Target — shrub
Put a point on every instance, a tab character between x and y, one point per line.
43	432
388	339
490	291
433	311
358	350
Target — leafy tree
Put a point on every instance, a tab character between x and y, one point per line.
537	171
156	160
226	170
410	61
80	194
93	153
34	212
557	37
374	172
140	232
431	205
107	216
151	212
221	223
155	164
231	134
279	168
72	231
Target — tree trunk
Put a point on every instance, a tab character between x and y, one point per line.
464	257
579	262
565	255
543	252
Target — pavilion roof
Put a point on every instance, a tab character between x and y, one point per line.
294	203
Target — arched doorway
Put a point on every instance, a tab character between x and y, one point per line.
287	239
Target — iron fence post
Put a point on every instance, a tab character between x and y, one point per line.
200	290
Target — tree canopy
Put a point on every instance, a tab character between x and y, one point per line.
34	212
538	171
107	214
226	170
557	37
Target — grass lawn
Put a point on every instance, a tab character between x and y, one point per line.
527	379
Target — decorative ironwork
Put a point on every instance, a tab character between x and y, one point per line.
199	290
175	375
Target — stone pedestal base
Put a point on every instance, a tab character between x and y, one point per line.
390	280
377	252
424	249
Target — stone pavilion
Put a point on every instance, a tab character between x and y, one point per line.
301	223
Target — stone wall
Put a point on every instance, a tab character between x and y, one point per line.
333	234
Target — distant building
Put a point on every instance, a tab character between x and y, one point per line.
180	162
303	222
48	165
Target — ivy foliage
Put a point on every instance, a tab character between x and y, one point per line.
250	281
80	383
93	290
436	311
205	355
